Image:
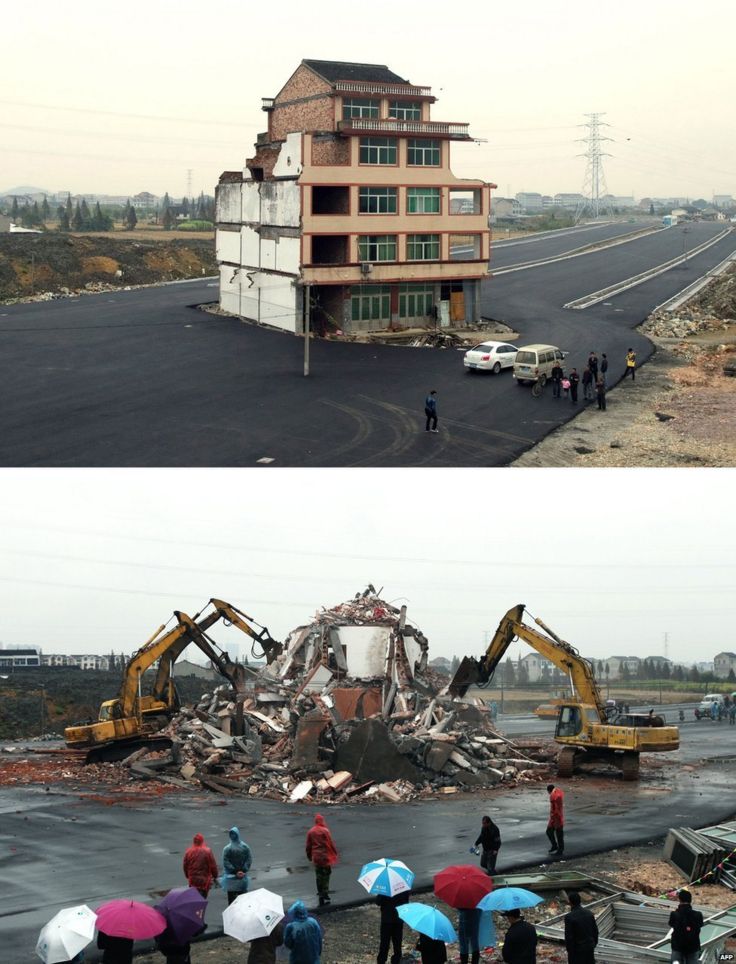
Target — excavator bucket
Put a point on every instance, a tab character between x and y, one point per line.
466	675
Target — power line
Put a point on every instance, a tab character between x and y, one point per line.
115	113
594	182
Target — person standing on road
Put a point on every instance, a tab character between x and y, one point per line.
581	932
520	942
574	379
556	376
200	867
556	822
630	364
600	392
604	365
430	410
115	950
303	936
686	925
392	926
468	932
236	861
322	851
732	714
490	842
587	385
431	950
593	365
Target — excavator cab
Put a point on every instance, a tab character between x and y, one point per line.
569	721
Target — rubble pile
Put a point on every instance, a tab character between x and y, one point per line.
688	320
349	710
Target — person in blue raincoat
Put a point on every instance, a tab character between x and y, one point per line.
236	861
303	936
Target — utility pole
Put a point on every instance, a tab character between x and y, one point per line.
307	318
189	183
666	645
594	184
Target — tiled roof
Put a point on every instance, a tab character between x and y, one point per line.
334	70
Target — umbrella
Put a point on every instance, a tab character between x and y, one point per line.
428	920
253	915
183	908
66	934
129	918
509	898
462	885
387	877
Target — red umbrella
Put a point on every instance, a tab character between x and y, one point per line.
129	918
462	885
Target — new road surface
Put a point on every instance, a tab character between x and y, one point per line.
143	378
60	848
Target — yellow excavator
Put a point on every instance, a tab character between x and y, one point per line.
133	718
585	728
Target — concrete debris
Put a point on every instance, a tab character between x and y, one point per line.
687	320
349	711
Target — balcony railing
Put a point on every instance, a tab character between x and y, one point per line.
367	87
392	126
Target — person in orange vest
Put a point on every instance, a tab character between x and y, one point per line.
556	822
200	866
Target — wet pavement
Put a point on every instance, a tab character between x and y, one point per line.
59	849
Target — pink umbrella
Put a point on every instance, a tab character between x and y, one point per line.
129	918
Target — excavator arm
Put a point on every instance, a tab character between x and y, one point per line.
564	656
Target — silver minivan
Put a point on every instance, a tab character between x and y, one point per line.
534	363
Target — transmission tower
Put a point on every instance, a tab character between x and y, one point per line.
189	182
594	185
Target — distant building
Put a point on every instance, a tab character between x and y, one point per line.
540	670
183	667
20	658
144	200
86	661
723	201
529	201
568	201
5	223
505	209
616	664
723	663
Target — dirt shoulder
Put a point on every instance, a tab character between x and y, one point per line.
351	936
60	265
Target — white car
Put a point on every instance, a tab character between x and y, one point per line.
490	356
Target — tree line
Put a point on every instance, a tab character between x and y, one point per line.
80	217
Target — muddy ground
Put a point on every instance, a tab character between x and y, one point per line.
59	264
351	936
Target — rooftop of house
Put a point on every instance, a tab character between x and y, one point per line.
334	70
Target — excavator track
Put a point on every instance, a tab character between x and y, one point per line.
566	761
630	766
114	752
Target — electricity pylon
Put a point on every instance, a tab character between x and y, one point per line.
594	190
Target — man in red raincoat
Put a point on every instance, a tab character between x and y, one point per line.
322	851
200	867
556	823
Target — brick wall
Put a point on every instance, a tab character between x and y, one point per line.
266	158
331	152
314	110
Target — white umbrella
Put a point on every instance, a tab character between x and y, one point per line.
66	934
253	915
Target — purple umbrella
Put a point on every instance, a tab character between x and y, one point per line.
183	908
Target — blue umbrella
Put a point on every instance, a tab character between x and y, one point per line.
387	877
509	898
429	921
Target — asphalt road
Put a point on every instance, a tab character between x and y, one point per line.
141	378
58	849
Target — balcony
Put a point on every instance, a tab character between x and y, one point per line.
387	125
393	272
398	90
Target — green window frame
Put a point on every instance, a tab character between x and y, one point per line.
423	152
359	107
405	110
378	150
370	302
423	247
377	200
423	200
377	247
416	300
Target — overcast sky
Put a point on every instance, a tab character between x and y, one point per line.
612	560
117	99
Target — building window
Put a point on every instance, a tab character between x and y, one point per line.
423	200
405	110
415	301
359	107
377	247
378	150
377	200
371	302
423	152
423	247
